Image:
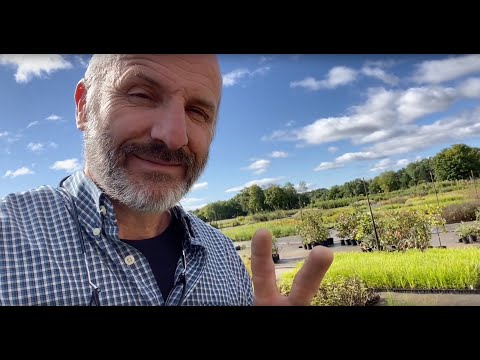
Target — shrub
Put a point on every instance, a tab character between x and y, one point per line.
465	230
347	224
312	228
460	212
345	292
341	291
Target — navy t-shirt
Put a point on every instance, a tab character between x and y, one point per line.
162	252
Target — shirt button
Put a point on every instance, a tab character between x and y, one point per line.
129	260
103	210
96	231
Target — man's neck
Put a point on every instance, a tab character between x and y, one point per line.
134	225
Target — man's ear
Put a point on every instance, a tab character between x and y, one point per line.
80	101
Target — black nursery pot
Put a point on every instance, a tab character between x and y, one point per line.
276	258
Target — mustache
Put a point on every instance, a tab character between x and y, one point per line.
159	151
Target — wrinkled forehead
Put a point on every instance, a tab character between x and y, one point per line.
202	69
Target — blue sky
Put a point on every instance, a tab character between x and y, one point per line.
323	119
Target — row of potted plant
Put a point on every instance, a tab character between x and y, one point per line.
468	232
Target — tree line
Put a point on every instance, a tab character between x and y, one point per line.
457	162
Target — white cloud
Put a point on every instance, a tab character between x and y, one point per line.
264	59
53	117
309	186
198	186
35	147
470	88
417	102
361	155
14	138
437	71
190	204
69	165
309	83
337	76
279	154
387	163
233	77
193	207
259	166
415	138
4	134
53	144
260	71
290	123
281	135
19	172
385	114
33	123
258	182
332	149
82	60
36	65
327	165
190	200
380	63
340	75
380	74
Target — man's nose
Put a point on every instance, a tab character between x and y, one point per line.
170	125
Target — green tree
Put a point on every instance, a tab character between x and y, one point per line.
292	195
388	181
457	162
276	198
256	200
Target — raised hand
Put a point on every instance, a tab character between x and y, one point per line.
306	282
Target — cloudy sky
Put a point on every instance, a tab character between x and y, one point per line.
323	119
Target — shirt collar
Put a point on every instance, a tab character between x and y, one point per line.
91	201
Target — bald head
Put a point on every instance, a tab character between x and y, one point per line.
149	121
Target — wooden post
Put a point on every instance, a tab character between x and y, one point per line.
371	214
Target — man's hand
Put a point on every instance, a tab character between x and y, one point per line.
306	282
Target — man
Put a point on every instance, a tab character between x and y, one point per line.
111	234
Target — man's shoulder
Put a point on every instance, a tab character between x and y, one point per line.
19	201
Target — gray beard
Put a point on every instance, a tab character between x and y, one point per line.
107	167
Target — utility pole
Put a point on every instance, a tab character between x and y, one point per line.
371	214
438	204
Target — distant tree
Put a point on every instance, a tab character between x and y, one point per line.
335	193
302	196
457	162
404	179
276	197
243	198
388	181
292	196
419	171
373	185
256	201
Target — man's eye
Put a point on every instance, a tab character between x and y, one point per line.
141	95
199	114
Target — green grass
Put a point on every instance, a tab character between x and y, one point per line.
414	269
279	228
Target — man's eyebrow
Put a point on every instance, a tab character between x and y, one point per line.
210	106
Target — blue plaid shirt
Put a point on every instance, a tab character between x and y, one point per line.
42	262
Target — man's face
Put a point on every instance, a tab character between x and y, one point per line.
148	132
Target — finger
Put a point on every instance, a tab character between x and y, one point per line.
308	279
263	269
